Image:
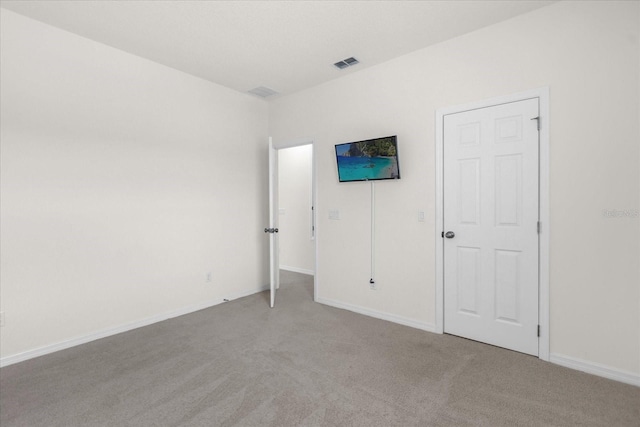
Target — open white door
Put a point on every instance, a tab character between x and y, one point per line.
272	230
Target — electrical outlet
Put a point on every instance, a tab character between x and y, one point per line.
1	318
209	275
373	285
334	214
421	216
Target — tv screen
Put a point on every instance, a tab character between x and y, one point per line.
369	160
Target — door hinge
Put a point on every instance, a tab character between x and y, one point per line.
537	119
538	330
538	227
442	234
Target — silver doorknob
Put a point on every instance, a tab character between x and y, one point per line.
449	234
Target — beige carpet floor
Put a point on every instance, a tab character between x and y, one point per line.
301	364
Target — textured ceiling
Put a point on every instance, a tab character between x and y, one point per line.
284	45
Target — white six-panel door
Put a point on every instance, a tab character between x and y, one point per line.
491	214
274	252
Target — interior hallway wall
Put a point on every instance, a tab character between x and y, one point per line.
587	53
124	184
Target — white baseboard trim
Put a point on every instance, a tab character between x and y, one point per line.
62	345
429	327
297	270
595	369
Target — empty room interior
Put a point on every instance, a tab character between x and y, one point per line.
291	213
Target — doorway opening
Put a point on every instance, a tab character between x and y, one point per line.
295	209
292	209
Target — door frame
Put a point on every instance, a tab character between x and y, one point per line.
280	145
542	94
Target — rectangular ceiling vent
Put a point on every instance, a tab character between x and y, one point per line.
349	62
263	92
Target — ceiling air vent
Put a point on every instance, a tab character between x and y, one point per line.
346	63
263	92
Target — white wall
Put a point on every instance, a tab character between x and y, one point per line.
297	249
588	54
124	183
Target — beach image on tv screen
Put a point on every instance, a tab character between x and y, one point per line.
368	160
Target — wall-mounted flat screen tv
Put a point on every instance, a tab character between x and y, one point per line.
373	159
